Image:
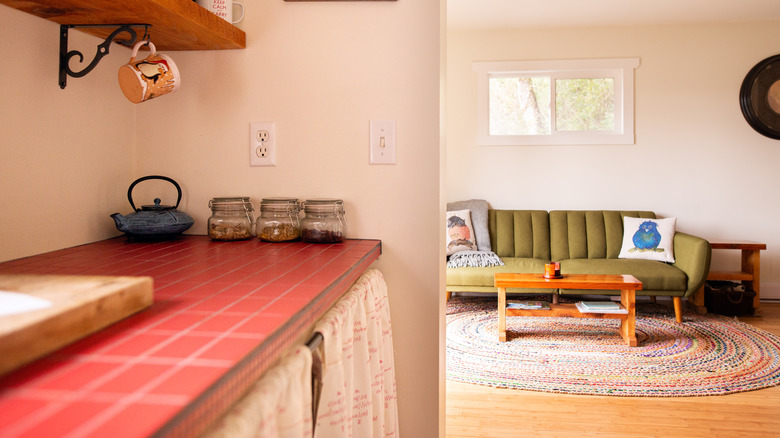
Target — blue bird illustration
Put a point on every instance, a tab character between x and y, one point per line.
647	236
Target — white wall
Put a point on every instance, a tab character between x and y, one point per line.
321	71
695	157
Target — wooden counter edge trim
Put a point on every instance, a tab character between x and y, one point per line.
196	417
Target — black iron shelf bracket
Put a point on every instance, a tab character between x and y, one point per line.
102	49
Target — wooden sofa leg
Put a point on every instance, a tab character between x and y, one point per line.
449	295
678	308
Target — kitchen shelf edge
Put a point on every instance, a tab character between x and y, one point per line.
176	24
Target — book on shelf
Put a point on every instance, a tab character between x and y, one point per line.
600	307
528	305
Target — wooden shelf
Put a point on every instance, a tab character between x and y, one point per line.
750	273
564	310
737	244
176	24
730	276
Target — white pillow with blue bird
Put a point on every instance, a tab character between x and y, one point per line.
648	239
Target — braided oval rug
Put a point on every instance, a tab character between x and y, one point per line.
706	355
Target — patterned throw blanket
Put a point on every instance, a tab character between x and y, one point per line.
474	259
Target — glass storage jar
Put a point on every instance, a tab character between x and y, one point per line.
324	221
231	218
279	220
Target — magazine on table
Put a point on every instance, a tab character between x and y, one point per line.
528	305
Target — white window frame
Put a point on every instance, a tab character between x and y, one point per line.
620	69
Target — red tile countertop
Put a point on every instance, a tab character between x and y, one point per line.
223	312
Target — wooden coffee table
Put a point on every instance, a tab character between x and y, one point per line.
626	284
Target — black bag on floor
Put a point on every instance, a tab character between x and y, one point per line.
728	298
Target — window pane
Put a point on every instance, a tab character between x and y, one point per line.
519	105
585	104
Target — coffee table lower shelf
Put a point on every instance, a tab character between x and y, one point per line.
562	310
567	310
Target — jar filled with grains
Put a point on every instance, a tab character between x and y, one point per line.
324	221
231	218
279	220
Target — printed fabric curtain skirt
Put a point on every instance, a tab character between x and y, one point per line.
344	388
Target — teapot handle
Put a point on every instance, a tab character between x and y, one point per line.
130	190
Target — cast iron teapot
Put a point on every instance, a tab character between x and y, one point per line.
153	220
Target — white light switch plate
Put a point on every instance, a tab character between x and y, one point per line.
382	145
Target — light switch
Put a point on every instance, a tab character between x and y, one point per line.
382	147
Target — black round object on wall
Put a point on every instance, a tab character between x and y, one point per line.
759	97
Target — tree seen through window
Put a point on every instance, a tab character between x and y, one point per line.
521	105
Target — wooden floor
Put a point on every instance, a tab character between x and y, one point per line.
481	411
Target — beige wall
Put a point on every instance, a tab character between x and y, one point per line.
64	154
321	71
695	157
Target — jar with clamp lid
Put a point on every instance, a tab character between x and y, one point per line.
231	219
324	221
279	220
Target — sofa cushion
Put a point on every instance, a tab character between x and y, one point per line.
479	219
460	232
468	276
648	239
655	276
593	234
520	233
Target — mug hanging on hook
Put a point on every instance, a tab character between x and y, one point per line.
154	76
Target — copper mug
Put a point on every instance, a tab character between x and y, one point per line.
154	76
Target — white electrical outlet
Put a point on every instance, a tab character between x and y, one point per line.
262	144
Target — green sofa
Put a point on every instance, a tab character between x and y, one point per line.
584	242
